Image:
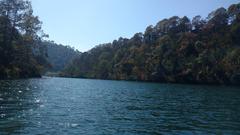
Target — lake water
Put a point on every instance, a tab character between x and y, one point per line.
60	106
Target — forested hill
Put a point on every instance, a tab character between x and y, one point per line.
21	55
59	55
201	50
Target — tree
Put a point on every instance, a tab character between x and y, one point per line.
20	37
185	25
174	50
197	23
218	18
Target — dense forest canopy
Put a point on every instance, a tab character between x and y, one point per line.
21	55
59	55
176	49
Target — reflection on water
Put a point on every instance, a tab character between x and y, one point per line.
80	106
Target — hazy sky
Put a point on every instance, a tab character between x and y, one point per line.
84	24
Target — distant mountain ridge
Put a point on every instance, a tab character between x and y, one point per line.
59	55
177	50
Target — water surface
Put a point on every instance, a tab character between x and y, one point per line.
60	106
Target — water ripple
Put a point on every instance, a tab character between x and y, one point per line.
80	106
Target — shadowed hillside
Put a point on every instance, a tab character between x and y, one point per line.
59	55
176	50
21	52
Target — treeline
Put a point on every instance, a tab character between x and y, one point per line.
59	55
21	52
177	50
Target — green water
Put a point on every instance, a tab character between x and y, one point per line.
60	106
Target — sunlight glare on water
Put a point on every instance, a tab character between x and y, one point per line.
81	106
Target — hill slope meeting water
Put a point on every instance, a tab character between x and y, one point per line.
179	77
59	56
176	50
24	51
21	56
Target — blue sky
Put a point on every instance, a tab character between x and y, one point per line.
84	24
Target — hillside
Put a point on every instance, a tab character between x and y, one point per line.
21	55
59	55
176	49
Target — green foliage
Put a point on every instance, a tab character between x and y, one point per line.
175	50
21	56
59	55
